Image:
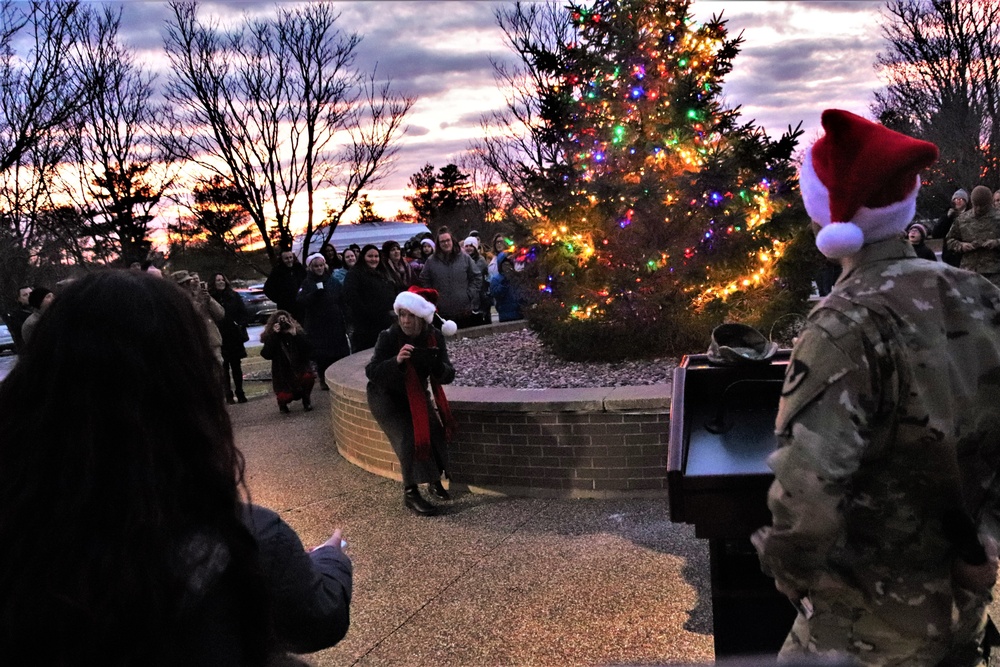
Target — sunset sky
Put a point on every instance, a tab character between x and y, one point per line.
797	59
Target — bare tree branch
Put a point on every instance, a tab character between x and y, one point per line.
267	106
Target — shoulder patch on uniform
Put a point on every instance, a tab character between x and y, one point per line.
795	376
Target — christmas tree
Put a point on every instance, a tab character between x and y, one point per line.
669	216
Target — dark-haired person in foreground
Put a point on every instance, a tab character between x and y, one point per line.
126	537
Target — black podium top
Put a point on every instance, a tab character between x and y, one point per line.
721	432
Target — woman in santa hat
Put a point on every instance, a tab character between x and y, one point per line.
408	367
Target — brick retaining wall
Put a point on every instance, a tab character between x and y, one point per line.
589	443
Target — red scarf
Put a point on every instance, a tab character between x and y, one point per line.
417	395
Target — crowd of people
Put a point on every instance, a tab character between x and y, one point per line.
330	306
339	303
171	562
969	232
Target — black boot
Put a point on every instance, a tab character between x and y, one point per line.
306	404
438	491
417	503
241	397
229	398
283	407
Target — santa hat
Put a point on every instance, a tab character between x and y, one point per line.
421	301
860	181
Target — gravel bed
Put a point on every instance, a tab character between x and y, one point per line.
517	360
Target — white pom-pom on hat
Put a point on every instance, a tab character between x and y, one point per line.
860	182
448	328
421	301
840	239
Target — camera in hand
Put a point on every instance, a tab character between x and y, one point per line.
284	325
424	355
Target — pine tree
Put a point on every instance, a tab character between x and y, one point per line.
670	214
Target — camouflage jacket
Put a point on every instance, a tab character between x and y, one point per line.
968	228
887	426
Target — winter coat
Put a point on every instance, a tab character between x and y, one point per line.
389	404
369	296
457	280
282	287
233	325
323	308
310	592
505	293
485	300
289	357
924	252
401	274
983	232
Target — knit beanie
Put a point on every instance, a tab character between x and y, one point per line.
960	194
920	228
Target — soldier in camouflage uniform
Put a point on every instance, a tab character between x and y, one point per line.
975	235
888	431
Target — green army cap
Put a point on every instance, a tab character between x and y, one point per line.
734	344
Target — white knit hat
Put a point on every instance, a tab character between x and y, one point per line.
310	258
472	240
860	181
421	302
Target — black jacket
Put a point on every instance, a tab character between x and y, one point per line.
369	296
282	287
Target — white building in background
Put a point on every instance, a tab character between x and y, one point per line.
376	233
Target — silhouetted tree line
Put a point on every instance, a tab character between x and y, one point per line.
942	70
250	120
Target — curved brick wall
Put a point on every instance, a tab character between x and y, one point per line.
588	443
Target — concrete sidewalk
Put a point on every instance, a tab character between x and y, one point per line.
493	581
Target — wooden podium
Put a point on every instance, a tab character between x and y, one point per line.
721	432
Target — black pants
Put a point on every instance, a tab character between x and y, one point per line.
233	367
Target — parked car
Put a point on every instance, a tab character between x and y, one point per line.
6	341
259	307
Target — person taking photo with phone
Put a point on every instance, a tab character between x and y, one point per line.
287	348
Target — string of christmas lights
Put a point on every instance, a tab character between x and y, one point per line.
666	192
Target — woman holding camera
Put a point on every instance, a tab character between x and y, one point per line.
409	356
285	345
233	329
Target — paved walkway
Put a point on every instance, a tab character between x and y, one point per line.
494	581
